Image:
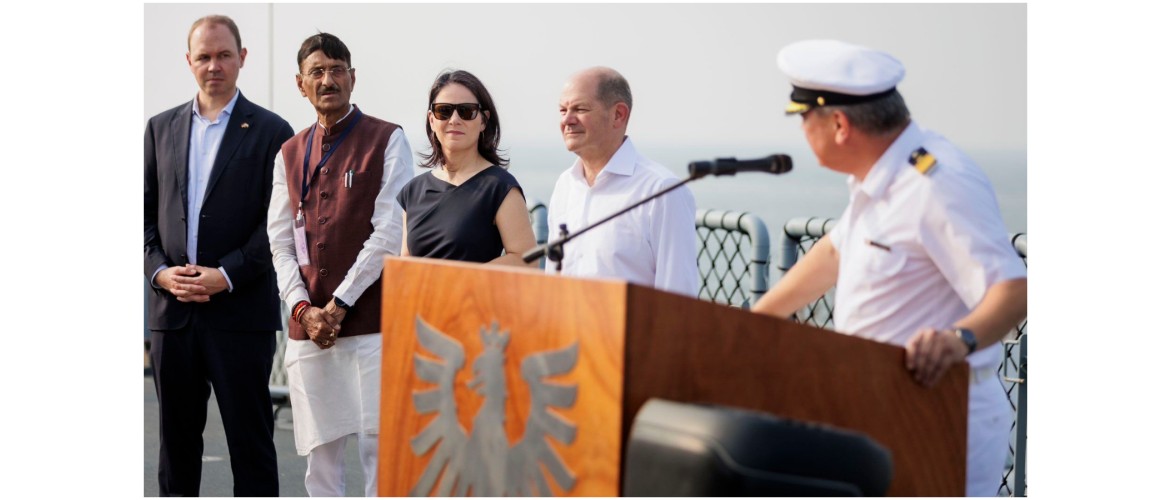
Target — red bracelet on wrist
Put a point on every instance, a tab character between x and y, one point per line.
299	310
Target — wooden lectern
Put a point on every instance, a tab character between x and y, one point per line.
469	348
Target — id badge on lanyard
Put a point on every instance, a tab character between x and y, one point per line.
306	179
299	237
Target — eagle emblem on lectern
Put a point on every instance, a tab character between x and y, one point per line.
483	462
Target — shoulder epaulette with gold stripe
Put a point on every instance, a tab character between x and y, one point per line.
923	161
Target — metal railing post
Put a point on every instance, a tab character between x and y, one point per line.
797	229
1021	482
756	257
538	217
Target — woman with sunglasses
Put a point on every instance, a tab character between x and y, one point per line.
468	207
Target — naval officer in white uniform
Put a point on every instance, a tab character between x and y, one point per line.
921	257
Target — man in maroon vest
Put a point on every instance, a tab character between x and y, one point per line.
332	220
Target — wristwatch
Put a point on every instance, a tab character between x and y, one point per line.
968	338
340	303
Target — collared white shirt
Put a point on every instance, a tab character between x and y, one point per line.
653	245
919	250
385	240
339	120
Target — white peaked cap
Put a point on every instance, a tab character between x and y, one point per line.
839	67
834	73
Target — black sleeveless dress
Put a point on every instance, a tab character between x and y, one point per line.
445	221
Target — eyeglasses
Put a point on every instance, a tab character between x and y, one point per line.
335	72
467	111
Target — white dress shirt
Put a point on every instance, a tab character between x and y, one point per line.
919	250
385	240
653	245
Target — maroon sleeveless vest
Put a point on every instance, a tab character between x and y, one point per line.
337	218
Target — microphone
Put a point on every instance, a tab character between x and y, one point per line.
775	164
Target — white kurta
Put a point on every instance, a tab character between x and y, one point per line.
335	392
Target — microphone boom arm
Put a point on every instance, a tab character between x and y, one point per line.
775	164
543	250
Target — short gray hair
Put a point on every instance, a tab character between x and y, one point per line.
613	88
878	117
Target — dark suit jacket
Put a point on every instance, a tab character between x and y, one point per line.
232	222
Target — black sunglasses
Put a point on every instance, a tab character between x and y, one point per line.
467	111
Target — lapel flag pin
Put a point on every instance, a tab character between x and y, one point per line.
244	125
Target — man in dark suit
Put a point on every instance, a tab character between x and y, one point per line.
213	305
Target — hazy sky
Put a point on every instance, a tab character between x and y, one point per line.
701	74
704	80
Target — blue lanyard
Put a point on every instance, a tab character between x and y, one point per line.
305	179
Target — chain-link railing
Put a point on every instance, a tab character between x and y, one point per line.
1014	372
733	257
733	253
800	235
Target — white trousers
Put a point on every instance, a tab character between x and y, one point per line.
989	424
325	475
335	392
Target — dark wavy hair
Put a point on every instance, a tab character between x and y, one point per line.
489	140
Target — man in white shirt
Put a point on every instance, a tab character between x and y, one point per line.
652	245
920	258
